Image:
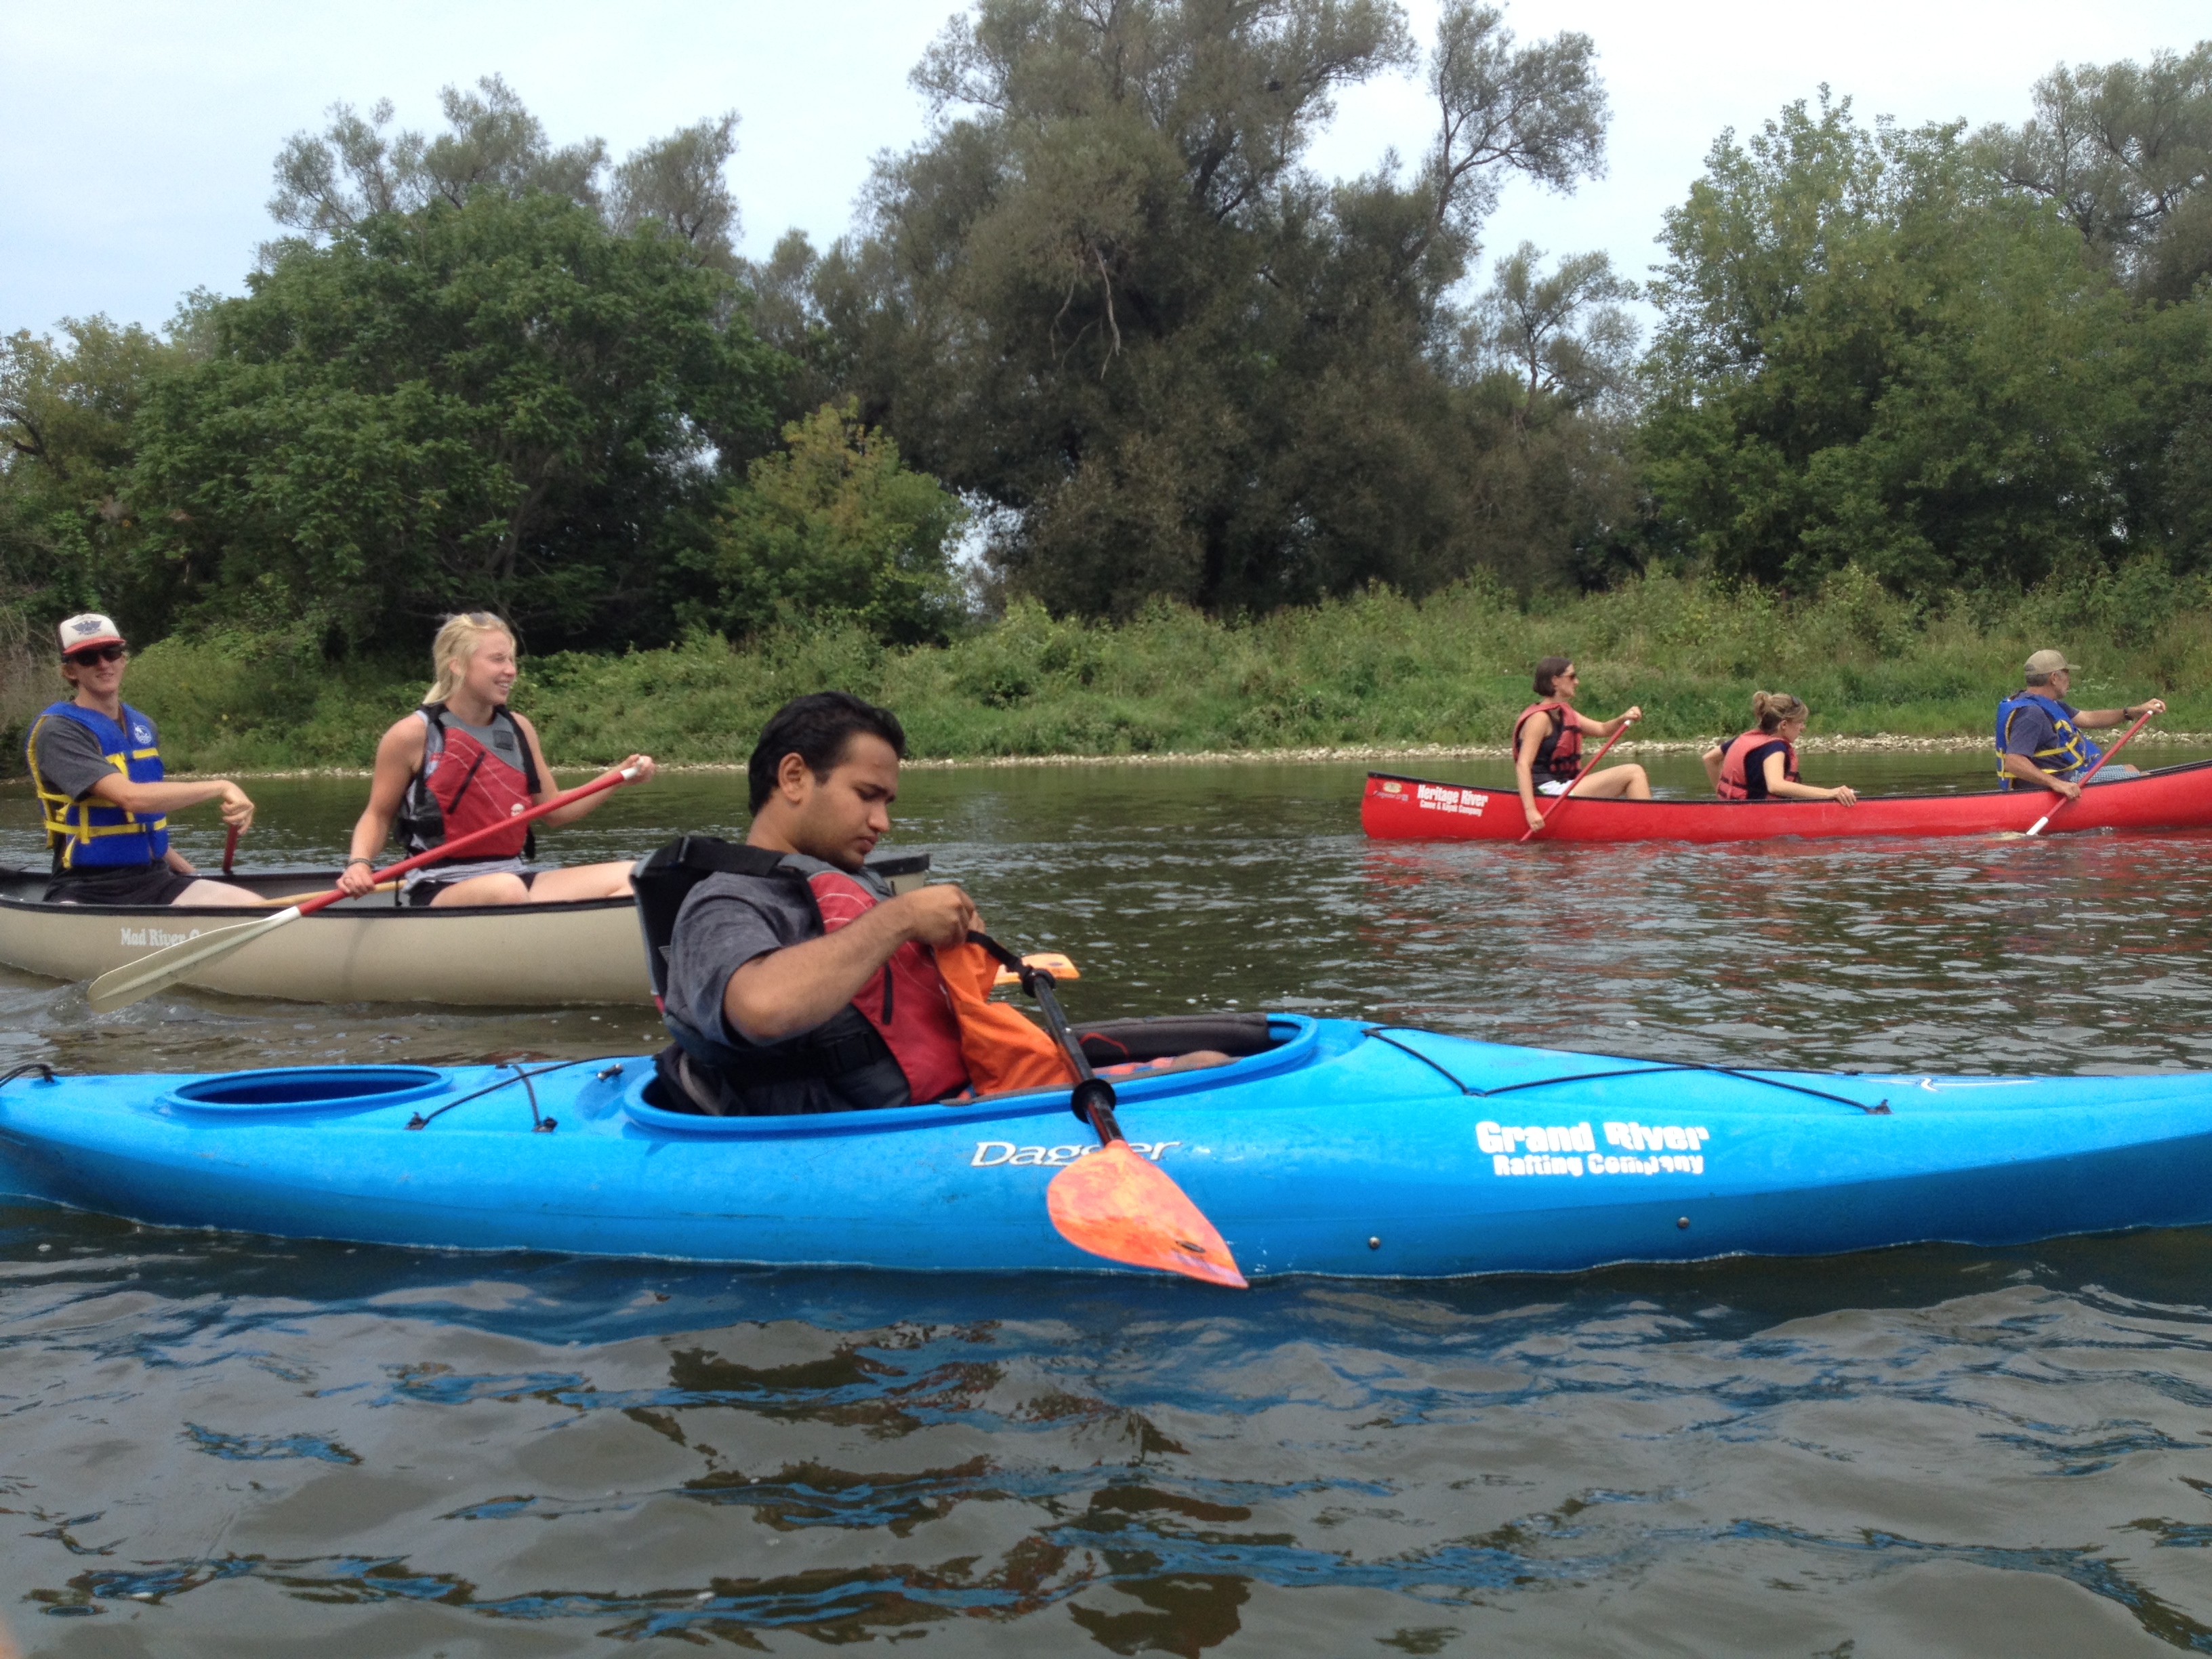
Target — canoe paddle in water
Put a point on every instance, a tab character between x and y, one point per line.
2037	826
1115	1202
1559	803
230	850
120	986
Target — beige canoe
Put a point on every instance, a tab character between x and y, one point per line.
360	951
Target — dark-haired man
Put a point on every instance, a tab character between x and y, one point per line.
765	971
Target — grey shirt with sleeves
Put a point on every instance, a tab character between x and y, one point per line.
728	921
70	758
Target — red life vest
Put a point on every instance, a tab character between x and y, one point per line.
1736	782
464	786
1560	755
905	1000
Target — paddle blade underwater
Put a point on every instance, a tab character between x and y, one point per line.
1117	1204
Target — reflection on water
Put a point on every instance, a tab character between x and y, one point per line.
218	1444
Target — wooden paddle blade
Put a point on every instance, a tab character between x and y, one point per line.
1051	961
119	987
1116	1203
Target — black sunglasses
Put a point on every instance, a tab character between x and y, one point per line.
93	654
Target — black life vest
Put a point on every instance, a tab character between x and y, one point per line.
902	1015
1559	755
1738	782
462	786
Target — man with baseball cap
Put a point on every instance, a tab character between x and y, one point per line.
96	764
2039	741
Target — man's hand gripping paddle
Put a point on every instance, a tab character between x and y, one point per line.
1115	1202
2036	829
1559	804
120	986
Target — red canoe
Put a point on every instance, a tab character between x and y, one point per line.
1414	809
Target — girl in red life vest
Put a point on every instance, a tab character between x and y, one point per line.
1762	763
1548	746
461	761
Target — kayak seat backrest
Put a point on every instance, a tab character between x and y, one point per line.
662	880
1118	1042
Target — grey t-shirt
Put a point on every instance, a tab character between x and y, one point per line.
70	758
728	921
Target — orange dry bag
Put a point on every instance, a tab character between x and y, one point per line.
1002	1050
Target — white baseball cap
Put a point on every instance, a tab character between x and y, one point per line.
88	627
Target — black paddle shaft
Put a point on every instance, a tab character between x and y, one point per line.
1092	1103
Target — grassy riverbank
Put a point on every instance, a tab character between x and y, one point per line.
1378	670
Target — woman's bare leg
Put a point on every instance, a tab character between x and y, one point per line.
582	881
221	892
1615	783
502	889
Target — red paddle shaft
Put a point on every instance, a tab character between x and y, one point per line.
2036	828
229	848
308	907
1585	772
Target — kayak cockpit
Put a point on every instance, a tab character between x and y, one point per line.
316	1088
1258	1044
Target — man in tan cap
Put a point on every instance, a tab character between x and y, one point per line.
2039	741
96	764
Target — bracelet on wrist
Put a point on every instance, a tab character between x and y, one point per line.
359	858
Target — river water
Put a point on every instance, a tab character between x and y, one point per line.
218	1444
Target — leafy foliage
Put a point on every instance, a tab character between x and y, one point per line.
499	403
834	527
1107	295
1872	355
2124	151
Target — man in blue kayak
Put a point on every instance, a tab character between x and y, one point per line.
790	976
769	958
2039	733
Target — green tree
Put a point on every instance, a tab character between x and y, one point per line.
1869	354
493	402
834	526
1106	293
328	183
2124	150
67	411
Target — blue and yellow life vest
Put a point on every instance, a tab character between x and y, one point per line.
2074	755
91	833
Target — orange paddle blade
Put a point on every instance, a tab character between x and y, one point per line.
1051	961
1114	1203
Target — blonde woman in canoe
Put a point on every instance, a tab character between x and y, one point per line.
1761	764
464	760
1548	746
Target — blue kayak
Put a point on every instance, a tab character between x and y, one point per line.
1338	1147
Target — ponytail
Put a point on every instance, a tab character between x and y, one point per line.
1771	708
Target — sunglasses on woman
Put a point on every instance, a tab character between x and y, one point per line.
93	654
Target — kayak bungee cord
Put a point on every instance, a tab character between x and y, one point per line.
1651	1069
46	1073
539	1124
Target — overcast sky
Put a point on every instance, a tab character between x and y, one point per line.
140	135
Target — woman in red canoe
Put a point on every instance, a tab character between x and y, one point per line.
1762	763
1548	746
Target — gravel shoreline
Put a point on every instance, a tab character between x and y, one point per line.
1881	742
